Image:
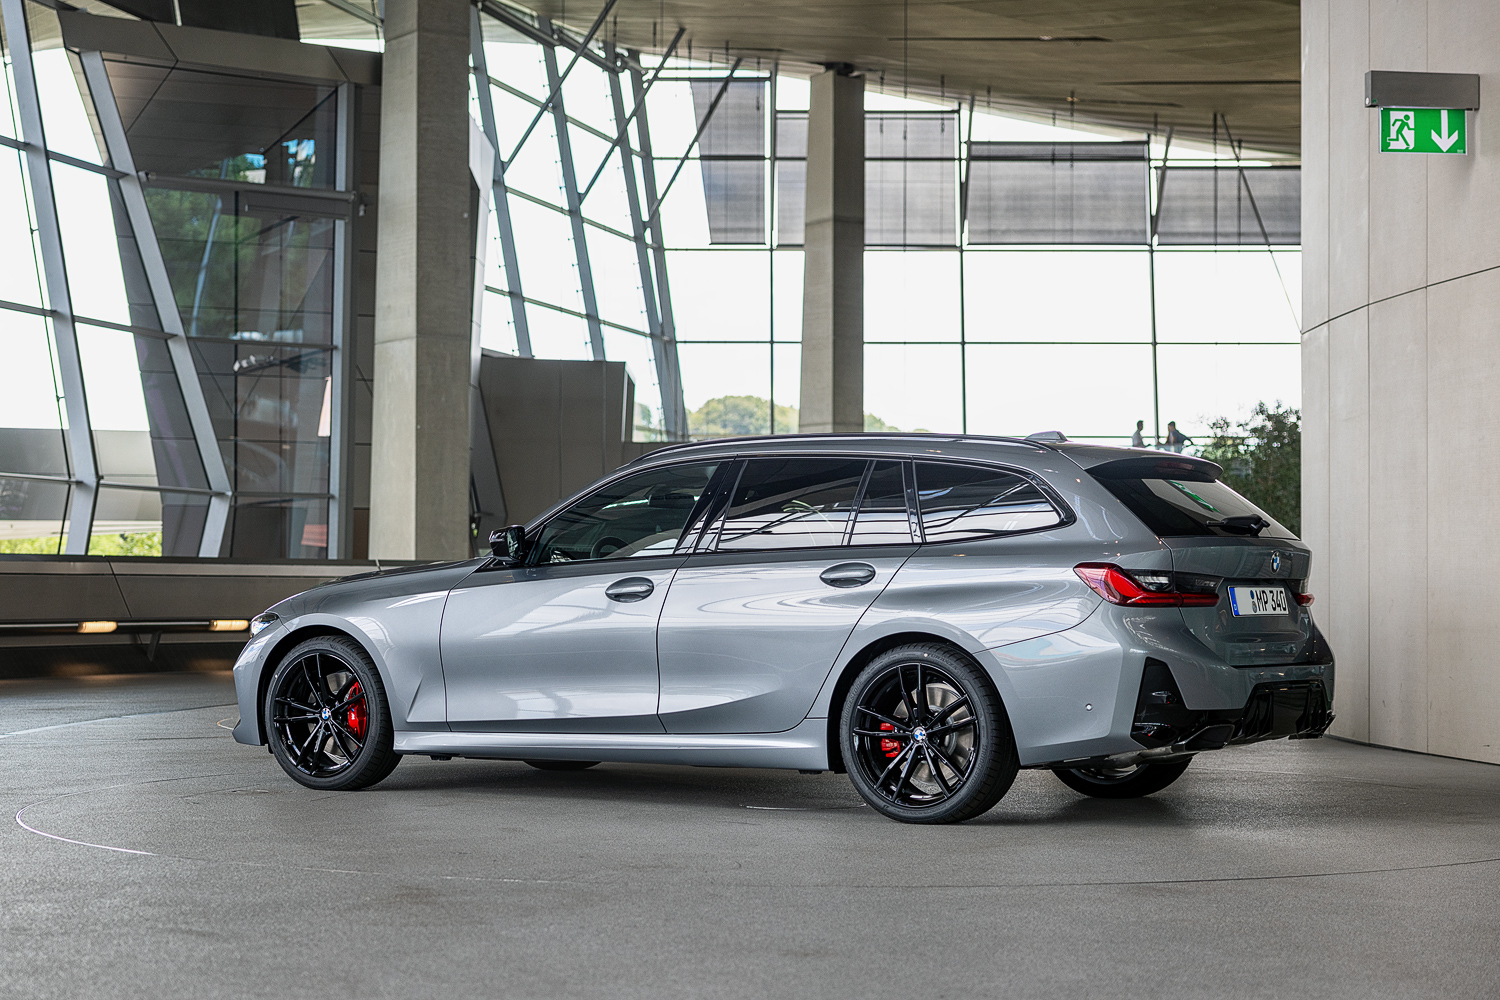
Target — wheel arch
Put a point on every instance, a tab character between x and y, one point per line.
862	659
283	646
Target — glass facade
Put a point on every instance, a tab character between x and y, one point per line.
187	270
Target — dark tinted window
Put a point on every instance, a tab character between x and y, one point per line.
882	517
641	515
791	503
959	501
1172	509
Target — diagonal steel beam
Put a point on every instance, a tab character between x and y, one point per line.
723	89
665	370
355	10
625	124
575	207
674	411
500	199
554	97
83	463
183	362
552	36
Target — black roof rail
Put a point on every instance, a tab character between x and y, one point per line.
840	435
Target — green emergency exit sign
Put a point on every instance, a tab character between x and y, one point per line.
1423	130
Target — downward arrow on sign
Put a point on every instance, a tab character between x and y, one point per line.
1447	139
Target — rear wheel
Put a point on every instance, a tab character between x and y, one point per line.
562	765
1123	782
925	738
327	718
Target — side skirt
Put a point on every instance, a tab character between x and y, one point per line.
802	748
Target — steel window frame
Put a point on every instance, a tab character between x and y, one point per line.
83	463
184	364
500	195
570	194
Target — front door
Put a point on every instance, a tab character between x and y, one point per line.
752	628
566	642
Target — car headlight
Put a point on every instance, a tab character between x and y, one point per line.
263	621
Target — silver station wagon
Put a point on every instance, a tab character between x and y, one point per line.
927	613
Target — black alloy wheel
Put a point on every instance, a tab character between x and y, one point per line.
326	716
925	738
1123	782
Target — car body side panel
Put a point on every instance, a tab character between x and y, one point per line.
545	649
394	616
746	639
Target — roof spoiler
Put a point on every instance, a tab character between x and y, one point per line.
1182	467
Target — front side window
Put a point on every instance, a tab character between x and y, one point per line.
791	503
961	501
640	515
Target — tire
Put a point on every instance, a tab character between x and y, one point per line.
902	772
1129	783
562	765
327	718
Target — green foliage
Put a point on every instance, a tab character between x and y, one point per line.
736	416
1262	459
48	545
134	543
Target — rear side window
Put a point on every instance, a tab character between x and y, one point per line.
883	519
960	501
791	503
1173	509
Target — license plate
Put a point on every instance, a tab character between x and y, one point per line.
1250	601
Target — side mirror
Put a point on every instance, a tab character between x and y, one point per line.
509	544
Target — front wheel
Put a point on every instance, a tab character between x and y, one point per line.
1124	782
925	737
327	718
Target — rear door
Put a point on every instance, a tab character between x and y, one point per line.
1257	571
752	626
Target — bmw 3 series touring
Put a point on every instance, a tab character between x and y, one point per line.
925	613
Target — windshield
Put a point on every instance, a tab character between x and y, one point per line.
1172	508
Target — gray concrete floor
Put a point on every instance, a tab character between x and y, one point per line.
151	856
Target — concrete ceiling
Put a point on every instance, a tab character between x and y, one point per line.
1140	64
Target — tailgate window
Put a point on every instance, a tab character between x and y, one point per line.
1173	508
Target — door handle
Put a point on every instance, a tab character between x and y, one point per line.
850	574
630	589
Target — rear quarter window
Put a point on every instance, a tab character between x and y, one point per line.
1173	509
965	501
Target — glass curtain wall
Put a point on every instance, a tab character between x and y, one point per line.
168	303
976	319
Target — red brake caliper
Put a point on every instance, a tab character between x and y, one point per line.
889	747
358	717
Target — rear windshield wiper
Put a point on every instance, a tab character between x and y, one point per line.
1243	524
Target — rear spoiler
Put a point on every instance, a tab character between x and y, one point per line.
1163	466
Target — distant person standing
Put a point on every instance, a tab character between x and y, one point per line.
1136	440
1175	438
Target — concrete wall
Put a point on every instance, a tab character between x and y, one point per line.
556	426
1401	349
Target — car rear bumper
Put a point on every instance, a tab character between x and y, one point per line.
1165	728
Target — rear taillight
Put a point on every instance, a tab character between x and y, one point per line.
1304	599
1147	588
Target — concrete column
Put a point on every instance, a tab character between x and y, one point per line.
419	468
1400	359
833	291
